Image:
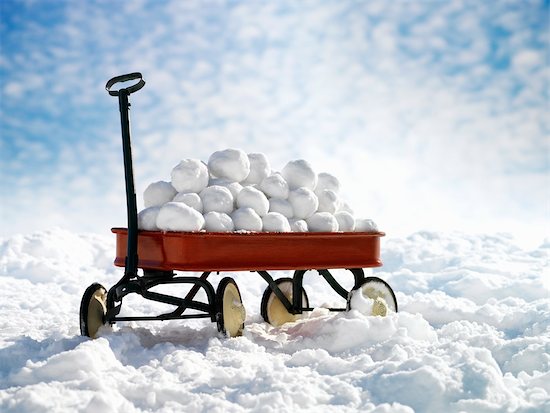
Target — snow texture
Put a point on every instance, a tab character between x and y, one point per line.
472	335
190	175
327	181
275	186
304	202
246	219
281	206
158	193
365	225
190	199
299	173
328	201
217	198
230	164
259	168
218	222
275	222
176	216
322	222
251	197
147	218
298	225
346	222
234	187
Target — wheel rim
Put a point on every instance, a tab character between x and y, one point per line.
97	308
233	311
277	314
381	294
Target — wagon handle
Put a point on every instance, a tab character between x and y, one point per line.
125	78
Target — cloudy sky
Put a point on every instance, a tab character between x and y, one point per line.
433	114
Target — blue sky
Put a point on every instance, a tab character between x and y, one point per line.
433	114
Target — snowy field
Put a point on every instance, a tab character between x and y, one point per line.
472	334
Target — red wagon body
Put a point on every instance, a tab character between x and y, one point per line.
202	251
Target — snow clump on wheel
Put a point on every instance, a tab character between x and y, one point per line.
236	191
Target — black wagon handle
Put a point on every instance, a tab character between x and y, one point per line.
125	78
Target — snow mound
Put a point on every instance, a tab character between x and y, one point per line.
158	193
176	216
190	175
230	164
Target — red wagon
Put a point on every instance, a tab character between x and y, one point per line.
160	254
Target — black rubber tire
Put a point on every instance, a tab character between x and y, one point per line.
378	280
228	289
89	322
267	294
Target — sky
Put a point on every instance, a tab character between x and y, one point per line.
434	115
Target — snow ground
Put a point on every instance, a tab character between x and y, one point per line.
472	334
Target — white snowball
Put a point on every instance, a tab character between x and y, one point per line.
275	222
345	207
275	186
231	164
365	225
218	222
328	201
158	193
216	198
299	173
259	168
252	198
298	225
246	219
190	175
190	199
234	187
346	222
176	216
304	202
327	181
282	206
147	218
322	222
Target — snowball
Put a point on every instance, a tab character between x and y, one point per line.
190	199
328	201
216	198
176	216
299	173
218	222
246	219
322	222
275	222
327	181
304	202
346	222
365	225
282	206
147	218
345	207
234	187
275	186
158	193
253	198
231	164
298	225
259	168
190	175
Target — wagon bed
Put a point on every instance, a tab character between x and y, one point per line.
202	251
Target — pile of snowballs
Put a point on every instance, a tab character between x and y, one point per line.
240	192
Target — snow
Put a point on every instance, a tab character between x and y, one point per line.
250	197
472	334
327	181
246	219
259	168
298	225
304	202
176	216
190	199
275	222
218	222
365	225
328	201
322	222
282	206
158	193
147	218
346	222
299	173
230	164
275	186
190	175
217	198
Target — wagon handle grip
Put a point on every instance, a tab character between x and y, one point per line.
125	78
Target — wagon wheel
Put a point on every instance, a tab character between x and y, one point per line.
375	289
93	308
272	309
230	312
